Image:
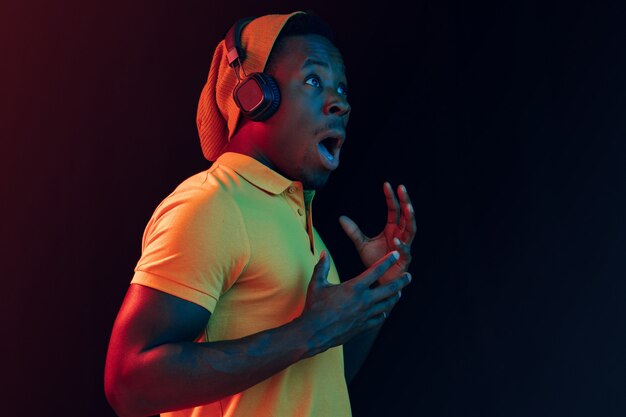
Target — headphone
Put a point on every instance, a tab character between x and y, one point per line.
257	95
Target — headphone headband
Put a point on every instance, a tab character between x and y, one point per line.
257	95
234	50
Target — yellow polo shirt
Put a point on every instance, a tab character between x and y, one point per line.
238	240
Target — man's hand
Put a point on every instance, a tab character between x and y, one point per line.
397	235
335	313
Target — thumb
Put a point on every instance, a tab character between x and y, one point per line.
320	272
352	230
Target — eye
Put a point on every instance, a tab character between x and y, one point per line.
314	81
342	89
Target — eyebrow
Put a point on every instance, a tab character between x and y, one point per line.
309	62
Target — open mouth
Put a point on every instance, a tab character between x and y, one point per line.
329	149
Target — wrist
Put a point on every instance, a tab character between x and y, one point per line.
308	337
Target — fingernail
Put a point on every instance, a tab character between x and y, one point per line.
411	208
396	241
409	276
403	188
395	254
399	294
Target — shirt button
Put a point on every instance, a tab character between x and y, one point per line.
300	211
291	190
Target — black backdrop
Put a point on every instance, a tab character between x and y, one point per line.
506	122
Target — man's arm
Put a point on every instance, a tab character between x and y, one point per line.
355	351
398	234
153	365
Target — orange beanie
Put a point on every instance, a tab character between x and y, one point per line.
218	114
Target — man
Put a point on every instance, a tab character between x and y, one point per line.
236	307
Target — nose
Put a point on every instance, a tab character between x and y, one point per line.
337	105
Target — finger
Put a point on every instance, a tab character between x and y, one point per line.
384	307
393	207
320	272
352	230
374	322
391	289
377	270
401	195
408	216
381	311
403	248
404	195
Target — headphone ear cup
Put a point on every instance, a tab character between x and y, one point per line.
258	96
274	92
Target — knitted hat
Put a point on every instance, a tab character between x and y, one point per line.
218	114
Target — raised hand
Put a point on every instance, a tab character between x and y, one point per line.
335	313
397	235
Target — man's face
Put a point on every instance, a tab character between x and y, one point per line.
302	140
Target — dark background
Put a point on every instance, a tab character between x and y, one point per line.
506	122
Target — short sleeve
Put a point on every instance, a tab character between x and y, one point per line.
194	247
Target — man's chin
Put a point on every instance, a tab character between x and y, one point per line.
317	182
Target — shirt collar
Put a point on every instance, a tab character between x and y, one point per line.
255	172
